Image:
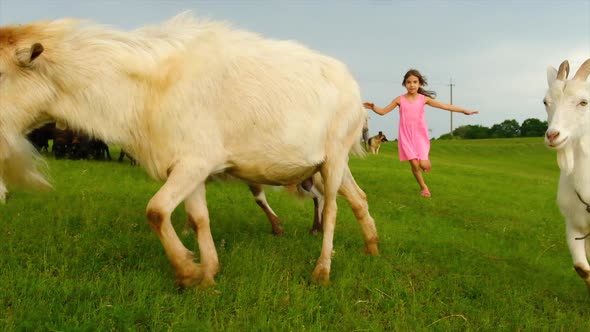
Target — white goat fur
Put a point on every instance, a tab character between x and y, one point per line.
188	99
569	134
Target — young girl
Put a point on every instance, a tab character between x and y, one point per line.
413	140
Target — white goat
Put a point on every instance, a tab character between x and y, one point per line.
188	99
568	115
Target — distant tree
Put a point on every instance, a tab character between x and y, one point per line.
533	128
448	136
479	132
471	132
445	136
506	129
461	131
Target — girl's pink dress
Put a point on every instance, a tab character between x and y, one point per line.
413	139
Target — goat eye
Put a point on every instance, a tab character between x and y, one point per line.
545	103
583	103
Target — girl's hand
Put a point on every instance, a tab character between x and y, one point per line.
470	112
369	105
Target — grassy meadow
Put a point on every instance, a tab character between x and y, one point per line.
486	252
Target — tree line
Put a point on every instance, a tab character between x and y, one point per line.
507	129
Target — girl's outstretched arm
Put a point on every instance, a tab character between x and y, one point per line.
382	111
452	108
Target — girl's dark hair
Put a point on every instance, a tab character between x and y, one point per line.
422	80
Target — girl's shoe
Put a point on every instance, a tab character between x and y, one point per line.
425	193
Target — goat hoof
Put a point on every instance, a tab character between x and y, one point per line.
191	276
321	276
315	231
278	231
371	249
583	274
207	282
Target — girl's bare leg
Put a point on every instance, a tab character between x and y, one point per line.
425	165
417	171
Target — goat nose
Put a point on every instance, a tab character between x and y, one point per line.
552	135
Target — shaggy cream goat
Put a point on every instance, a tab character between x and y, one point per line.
188	99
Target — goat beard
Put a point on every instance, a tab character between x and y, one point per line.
20	164
565	159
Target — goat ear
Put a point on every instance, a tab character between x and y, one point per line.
551	75
27	55
563	71
583	72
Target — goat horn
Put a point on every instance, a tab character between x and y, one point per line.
564	70
582	73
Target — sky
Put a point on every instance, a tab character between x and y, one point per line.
495	53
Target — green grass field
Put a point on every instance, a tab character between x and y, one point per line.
486	252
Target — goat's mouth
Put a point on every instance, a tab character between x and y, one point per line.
557	145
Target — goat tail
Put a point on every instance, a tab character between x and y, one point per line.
22	166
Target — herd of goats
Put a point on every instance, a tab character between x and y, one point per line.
75	145
69	144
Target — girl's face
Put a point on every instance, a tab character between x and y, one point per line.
412	84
